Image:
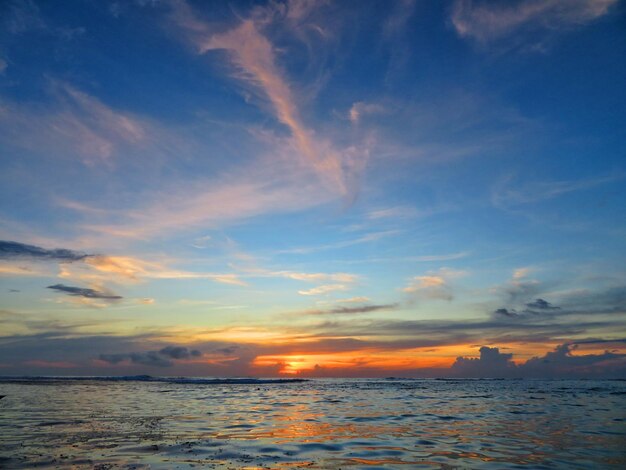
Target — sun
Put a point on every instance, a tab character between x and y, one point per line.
294	366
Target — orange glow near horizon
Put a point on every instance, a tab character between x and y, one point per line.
305	362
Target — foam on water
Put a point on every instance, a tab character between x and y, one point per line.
150	422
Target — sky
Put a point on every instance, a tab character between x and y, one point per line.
313	188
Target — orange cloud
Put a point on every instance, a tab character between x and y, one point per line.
125	268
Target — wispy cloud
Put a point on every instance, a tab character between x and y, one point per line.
349	300
255	58
73	122
367	238
102	268
361	109
9	269
210	203
23	16
315	277
489	21
506	194
368	308
324	289
122	269
397	212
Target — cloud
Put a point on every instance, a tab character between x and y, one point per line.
325	289
7	269
522	290
313	170
150	359
505	194
535	307
84	292
411	259
397	212
506	312
425	282
16	250
558	363
126	268
254	54
121	269
179	352
161	358
73	123
561	362
521	273
486	22
23	16
255	59
491	363
314	277
361	109
367	238
435	285
248	192
227	351
413	333
261	351
541	304
351	300
611	300
354	310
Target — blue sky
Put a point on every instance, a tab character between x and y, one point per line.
315	188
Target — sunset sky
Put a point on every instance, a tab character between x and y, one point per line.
315	188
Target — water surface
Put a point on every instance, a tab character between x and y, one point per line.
324	424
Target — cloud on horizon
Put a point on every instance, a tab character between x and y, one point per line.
164	357
227	353
559	363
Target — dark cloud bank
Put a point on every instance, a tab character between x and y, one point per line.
559	363
164	357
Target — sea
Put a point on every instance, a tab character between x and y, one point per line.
168	423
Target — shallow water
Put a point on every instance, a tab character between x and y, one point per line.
315	424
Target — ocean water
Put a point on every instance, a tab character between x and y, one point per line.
327	424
